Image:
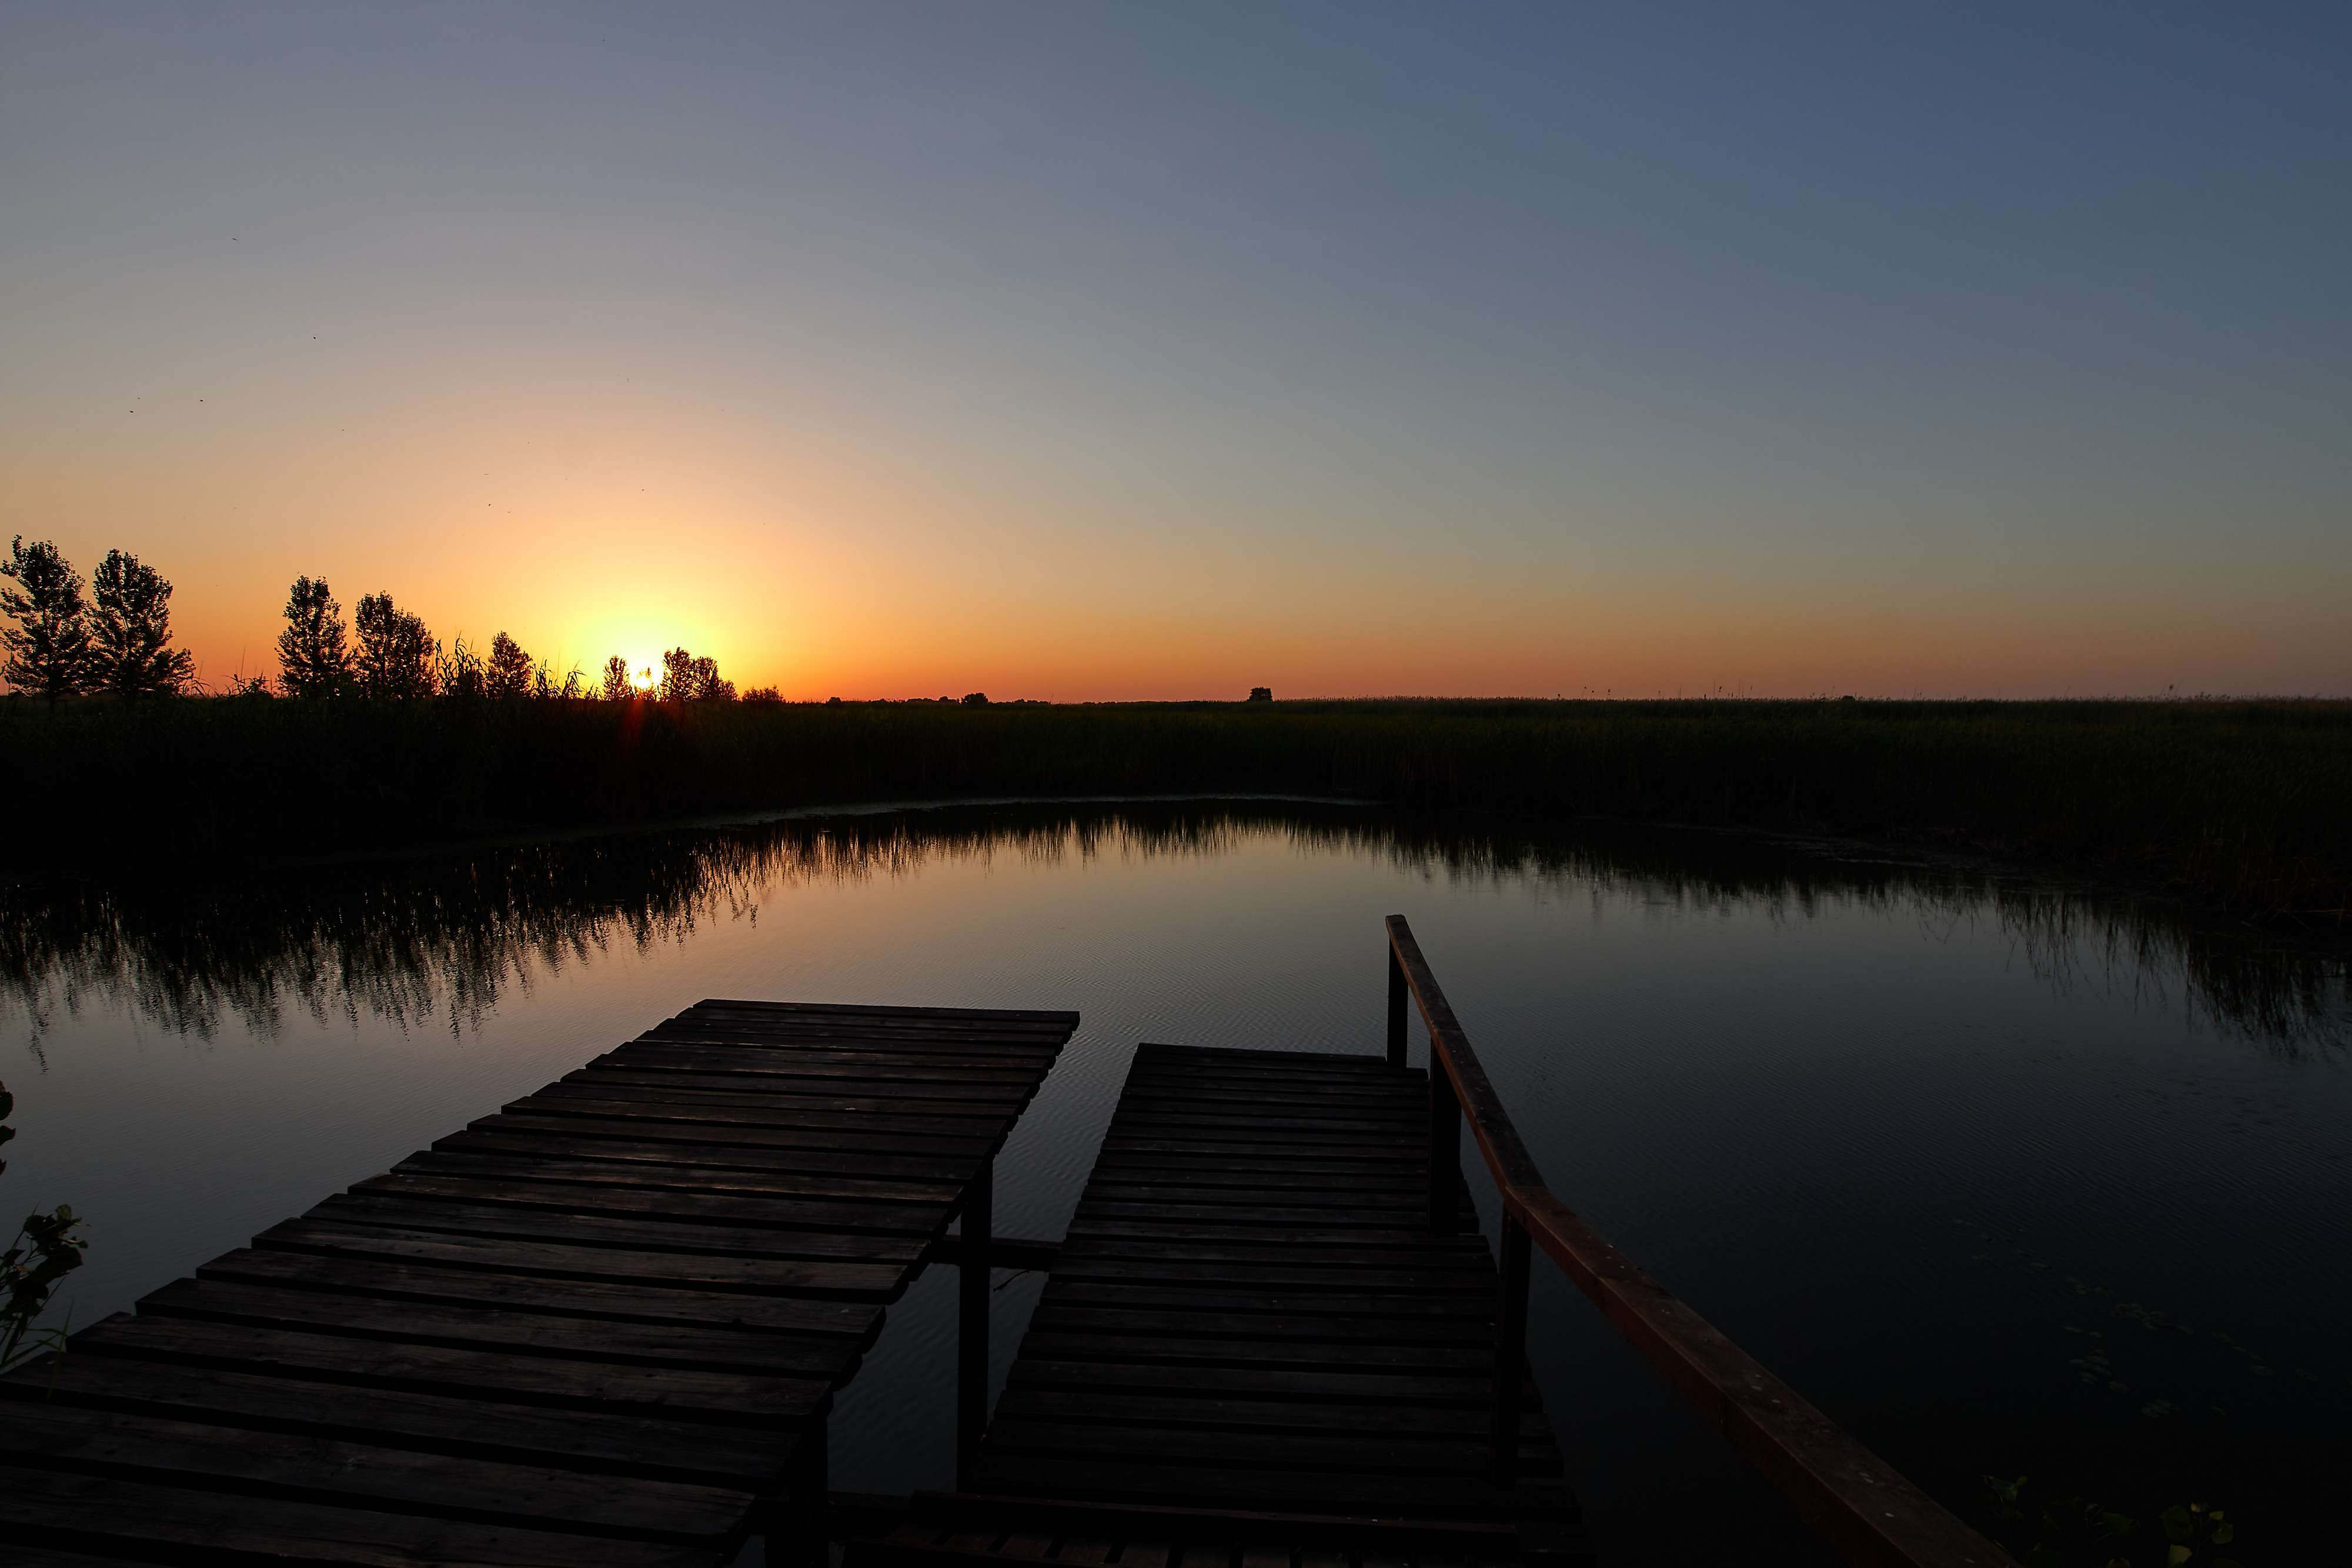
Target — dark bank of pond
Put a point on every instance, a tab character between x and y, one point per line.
2009	1177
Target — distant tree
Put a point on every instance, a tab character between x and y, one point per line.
707	685
131	631
677	676
974	699
461	671
48	648
397	655
507	673
314	655
766	694
1261	693
617	687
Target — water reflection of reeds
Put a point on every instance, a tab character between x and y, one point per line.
437	941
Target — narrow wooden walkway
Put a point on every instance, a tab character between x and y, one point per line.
598	1330
1252	1318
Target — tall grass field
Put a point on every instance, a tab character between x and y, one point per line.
2244	805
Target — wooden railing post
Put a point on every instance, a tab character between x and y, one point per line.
1444	1144
1510	1347
972	1319
1398	996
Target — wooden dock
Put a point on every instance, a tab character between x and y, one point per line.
1252	1314
1252	1318
600	1328
1273	1340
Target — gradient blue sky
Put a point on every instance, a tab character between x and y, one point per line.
1120	350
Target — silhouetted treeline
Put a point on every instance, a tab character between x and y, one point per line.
2246	805
114	640
395	657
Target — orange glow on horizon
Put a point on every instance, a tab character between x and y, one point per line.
847	571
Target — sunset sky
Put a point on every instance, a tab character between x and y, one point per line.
1129	350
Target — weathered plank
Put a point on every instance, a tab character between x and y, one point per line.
530	1222
326	1469
781	1142
501	1135
1168	1318
62	1508
673	1206
1379	1453
1232	1413
753	1108
816	1279
742	1398
768	1066
525	1165
593	1441
476	1326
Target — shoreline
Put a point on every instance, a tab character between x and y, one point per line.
2242	809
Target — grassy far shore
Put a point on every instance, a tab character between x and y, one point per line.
2241	805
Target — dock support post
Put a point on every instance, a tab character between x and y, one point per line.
1510	1346
972	1319
1397	998
795	1525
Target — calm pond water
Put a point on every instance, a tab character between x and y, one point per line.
2007	1178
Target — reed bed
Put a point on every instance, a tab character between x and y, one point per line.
2243	805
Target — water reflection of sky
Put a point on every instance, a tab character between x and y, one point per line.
1899	1129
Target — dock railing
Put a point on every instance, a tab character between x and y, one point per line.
1850	1497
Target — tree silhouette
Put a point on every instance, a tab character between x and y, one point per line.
509	672
397	655
48	652
677	676
708	686
618	687
314	655
131	631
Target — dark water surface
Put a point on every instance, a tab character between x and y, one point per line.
2007	1178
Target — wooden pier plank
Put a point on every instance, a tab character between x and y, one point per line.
631	1445
868	1281
595	1329
525	1165
478	1327
786	1141
1250	1313
325	1469
578	1299
149	1522
534	1222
